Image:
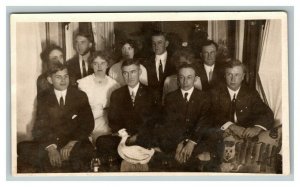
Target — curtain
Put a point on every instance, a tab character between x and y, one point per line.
28	67
270	68
240	29
70	31
103	35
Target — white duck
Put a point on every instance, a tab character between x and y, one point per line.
133	154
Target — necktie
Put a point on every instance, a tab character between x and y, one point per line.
210	73
84	73
160	72
232	108
132	97
61	102
186	97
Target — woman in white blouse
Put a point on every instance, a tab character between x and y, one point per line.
98	87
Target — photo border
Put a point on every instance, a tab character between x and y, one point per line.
288	10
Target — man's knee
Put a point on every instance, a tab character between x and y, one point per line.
107	145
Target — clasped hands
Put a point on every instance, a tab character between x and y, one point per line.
184	151
56	157
245	132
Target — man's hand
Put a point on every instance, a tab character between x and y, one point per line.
178	155
187	150
66	150
54	157
237	130
251	132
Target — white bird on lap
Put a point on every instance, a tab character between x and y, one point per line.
133	154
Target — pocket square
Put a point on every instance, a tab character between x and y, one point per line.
74	116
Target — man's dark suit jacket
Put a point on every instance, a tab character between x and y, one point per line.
217	77
250	109
74	70
153	83
42	83
183	121
56	125
138	119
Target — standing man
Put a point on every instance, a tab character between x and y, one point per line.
159	66
78	66
186	118
132	107
64	121
211	73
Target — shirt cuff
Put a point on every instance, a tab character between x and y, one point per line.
260	127
226	125
191	141
51	145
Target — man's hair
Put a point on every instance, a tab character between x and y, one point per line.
209	42
55	67
234	63
105	55
129	62
45	54
186	65
160	33
86	35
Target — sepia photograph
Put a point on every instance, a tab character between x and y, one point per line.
187	93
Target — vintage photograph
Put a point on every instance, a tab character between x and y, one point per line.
177	92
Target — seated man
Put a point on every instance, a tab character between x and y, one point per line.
238	109
63	124
186	118
132	107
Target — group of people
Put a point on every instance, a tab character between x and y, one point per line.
175	104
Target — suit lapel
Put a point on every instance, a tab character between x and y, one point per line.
152	72
241	97
139	96
203	77
77	67
52	100
68	98
169	68
225	99
180	97
127	98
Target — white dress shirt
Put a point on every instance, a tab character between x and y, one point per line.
133	90
190	91
208	69
60	94
163	59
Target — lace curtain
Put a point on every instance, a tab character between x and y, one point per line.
270	68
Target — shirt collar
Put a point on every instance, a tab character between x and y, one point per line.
209	68
190	91
83	58
231	92
59	93
135	89
162	57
